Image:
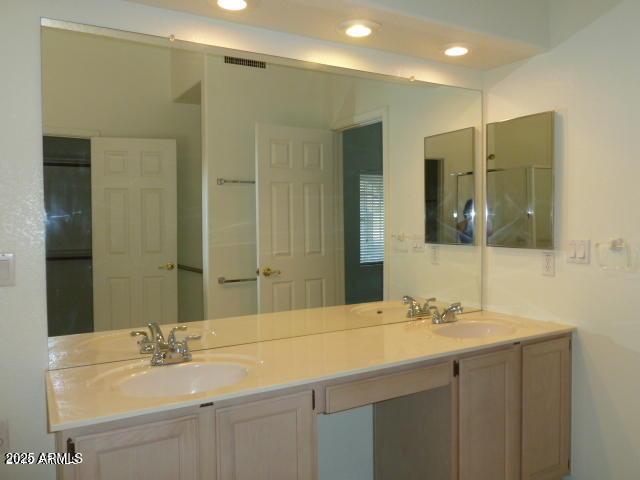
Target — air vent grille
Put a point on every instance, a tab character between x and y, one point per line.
245	62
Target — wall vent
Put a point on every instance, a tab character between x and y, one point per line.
245	62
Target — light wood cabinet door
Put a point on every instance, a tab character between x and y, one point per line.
158	451
546	409
267	440
489	416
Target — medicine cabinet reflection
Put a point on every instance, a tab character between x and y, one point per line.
449	183
520	182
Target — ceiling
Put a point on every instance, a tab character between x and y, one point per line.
402	31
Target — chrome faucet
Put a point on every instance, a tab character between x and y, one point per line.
448	315
146	343
416	310
165	352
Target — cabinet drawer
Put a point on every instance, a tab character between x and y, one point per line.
384	387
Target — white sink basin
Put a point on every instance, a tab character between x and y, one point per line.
182	379
474	329
204	373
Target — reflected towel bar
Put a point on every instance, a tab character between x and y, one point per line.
223	280
222	181
187	268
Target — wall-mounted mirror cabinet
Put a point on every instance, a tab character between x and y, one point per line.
189	183
449	183
520	180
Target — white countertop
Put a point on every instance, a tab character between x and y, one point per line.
81	396
115	345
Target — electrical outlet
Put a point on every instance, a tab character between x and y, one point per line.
548	264
435	255
4	437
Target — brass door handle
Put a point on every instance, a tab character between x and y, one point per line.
269	272
167	266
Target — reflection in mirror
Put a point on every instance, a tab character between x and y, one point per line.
520	182
449	182
188	183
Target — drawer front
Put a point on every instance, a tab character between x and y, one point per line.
384	387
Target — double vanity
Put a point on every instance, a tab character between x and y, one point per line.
486	397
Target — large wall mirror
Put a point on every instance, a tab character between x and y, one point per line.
188	183
520	178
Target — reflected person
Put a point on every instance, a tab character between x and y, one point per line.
466	227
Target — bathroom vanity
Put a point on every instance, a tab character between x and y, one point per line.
487	397
292	204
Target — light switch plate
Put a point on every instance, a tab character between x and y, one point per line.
400	243
7	270
4	437
548	264
579	251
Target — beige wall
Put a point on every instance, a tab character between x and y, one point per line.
591	79
100	86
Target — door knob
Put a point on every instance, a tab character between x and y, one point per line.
168	266
269	272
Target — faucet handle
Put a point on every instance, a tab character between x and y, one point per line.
182	347
455	308
172	335
145	344
426	304
140	333
407	300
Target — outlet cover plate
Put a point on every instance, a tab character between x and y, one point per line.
548	264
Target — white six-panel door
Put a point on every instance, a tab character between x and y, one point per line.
134	216
296	217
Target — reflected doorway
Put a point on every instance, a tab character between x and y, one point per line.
363	194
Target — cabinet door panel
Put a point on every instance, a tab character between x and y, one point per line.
266	440
489	416
546	415
158	451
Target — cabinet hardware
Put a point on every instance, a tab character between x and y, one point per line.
456	368
313	399
208	404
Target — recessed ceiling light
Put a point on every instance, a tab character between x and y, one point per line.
233	5
359	28
456	51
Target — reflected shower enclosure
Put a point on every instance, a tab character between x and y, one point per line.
520	182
